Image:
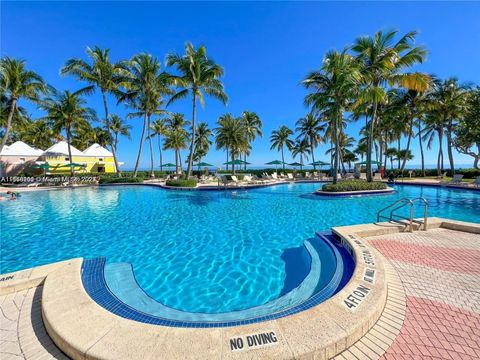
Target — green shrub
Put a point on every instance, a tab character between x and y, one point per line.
122	180
182	183
354	185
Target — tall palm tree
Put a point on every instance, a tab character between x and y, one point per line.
202	141
145	89
159	129
434	125
118	127
349	157
176	139
391	153
230	134
311	128
301	148
68	111
382	60
449	103
253	128
37	133
198	75
361	149
280	139
333	87
16	82
344	143
100	73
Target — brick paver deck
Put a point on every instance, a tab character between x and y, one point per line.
440	272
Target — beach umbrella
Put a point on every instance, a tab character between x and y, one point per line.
236	162
275	162
73	165
295	164
320	163
168	165
202	164
44	167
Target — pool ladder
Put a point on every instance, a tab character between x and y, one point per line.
401	203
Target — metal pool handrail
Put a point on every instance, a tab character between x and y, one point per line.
395	206
425	210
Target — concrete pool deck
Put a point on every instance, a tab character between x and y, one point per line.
429	309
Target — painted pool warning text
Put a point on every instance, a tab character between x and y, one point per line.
253	341
356	296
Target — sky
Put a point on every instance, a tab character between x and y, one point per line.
266	49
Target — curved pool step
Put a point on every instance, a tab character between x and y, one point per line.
120	279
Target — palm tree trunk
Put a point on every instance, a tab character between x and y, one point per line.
142	139
410	129
194	125
337	147
245	164
159	140
440	152
152	165
107	124
313	155
450	147
422	157
227	158
283	160
233	159
13	106
370	143
398	152
176	161
67	130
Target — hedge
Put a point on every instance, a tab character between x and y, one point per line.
354	185
118	180
182	183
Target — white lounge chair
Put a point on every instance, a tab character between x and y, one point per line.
290	176
457	180
476	183
34	184
377	177
441	177
363	176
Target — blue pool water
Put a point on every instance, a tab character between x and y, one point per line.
209	251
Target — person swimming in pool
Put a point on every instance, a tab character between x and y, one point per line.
13	195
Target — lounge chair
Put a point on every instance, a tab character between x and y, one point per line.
34	184
457	180
363	176
307	175
349	176
441	177
290	176
476	183
377	177
275	177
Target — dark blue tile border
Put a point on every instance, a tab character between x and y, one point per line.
93	279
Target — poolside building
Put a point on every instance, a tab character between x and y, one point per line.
94	159
17	157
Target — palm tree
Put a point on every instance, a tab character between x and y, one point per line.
159	129
176	139
449	103
145	88
281	138
253	128
349	157
434	126
231	134
344	142
202	141
37	133
198	75
333	87
118	127
310	128
302	148
391	153
102	74
361	149
382	59
67	111
16	83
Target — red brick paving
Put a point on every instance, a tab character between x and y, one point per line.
433	330
450	259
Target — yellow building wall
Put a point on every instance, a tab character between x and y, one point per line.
93	164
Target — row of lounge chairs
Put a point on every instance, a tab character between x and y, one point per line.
457	181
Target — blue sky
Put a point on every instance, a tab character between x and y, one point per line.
266	48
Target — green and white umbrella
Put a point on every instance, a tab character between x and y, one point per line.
236	162
276	163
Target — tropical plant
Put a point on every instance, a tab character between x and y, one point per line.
198	75
176	139
37	133
159	129
230	134
100	73
310	128
146	86
349	157
67	111
382	60
202	141
280	139
344	142
391	153
16	83
253	128
449	105
118	127
301	148
467	131
333	87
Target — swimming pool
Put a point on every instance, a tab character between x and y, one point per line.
196	251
